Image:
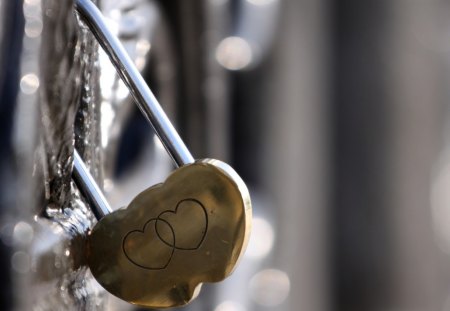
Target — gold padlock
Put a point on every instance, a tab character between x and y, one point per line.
174	236
193	228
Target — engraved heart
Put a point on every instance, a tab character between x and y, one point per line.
173	237
146	249
188	222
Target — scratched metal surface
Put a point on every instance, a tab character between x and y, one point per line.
73	88
62	56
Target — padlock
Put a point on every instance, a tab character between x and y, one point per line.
174	236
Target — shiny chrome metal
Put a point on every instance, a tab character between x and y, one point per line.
88	187
144	97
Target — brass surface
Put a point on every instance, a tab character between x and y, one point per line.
193	228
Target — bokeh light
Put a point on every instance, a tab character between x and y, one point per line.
270	287
234	53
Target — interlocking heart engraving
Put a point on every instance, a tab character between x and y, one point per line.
184	228
174	236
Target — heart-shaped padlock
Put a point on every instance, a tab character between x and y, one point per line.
172	237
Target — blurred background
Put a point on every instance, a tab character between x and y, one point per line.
335	113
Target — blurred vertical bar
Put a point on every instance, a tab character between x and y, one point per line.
11	29
295	151
388	100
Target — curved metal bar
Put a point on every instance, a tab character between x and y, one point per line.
89	188
142	94
144	98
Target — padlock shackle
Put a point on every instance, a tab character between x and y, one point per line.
145	100
89	188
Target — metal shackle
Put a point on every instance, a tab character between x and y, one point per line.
144	98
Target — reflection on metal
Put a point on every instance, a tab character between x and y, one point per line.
59	75
151	48
89	188
173	236
145	99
